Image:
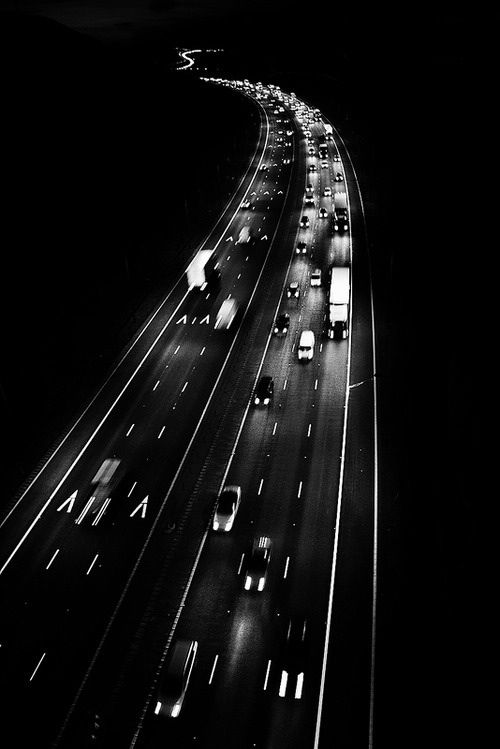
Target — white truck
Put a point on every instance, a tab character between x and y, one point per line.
202	270
226	314
340	214
338	303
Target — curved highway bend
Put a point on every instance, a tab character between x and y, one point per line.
91	612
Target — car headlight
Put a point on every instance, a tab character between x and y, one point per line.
276	330
216	525
248	582
260	586
266	401
285	330
257	401
283	682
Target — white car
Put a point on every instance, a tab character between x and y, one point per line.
227	506
327	191
324	164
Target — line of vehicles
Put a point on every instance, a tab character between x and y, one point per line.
203	273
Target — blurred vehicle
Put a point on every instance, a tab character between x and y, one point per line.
324	164
304	222
293	290
282	324
258	562
226	314
309	188
323	213
175	681
226	508
301	248
316	277
312	168
103	484
311	151
309	201
327	191
264	391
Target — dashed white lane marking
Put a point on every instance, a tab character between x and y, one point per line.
274	428
176	350
286	568
260	487
241	562
52	558
202	351
130	429
185	386
300	490
213	668
92	563
309	431
267	674
161	432
132	488
37	666
156	385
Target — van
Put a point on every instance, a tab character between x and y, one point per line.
306	345
176	677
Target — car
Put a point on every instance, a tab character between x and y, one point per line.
324	164
336	157
246	204
287	161
288	143
304	222
263	167
312	168
258	563
264	391
323	213
327	191
311	151
293	290
282	324
175	681
316	277
292	658
309	188
301	248
226	508
339	177
309	201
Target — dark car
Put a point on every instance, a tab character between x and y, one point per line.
293	290
312	168
175	680
339	177
292	658
258	562
282	324
309	201
301	248
264	391
304	222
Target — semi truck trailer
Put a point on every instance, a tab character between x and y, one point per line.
338	303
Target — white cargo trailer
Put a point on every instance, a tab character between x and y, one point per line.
339	303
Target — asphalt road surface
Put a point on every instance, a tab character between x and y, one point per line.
93	603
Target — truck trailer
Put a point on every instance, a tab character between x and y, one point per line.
338	303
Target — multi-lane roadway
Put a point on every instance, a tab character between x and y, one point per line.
93	604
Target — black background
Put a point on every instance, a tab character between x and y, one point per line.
114	166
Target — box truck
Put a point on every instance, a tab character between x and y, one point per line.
338	303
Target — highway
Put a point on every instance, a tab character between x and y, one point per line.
94	603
